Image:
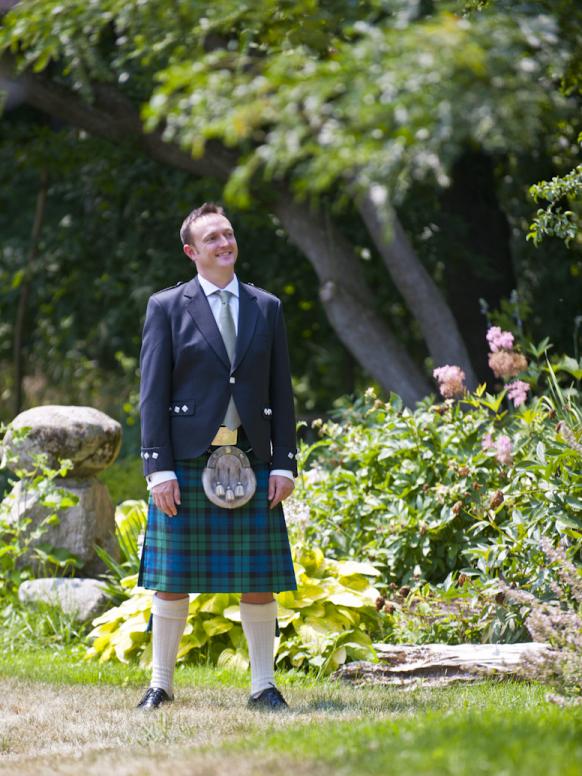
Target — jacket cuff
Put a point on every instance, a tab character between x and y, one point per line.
284	458
157	459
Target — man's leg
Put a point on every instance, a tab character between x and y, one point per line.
258	616
170	612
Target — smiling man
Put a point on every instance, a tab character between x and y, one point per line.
215	379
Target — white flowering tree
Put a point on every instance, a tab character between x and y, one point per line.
299	109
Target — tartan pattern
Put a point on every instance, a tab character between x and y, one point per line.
206	549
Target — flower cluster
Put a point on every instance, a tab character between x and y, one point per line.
517	391
498	339
451	381
503	360
502	446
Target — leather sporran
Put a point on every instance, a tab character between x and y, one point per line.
228	479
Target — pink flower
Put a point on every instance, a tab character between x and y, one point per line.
451	380
499	340
487	442
505	363
517	391
503	449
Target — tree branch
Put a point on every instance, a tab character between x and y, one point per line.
343	291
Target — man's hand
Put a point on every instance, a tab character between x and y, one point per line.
280	488
166	497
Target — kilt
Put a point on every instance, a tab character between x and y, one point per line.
207	549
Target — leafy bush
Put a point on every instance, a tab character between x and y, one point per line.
22	553
452	495
556	621
330	619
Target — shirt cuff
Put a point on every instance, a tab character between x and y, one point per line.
283	473
156	478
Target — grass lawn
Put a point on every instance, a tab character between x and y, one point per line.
62	716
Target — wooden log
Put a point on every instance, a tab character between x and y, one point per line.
404	664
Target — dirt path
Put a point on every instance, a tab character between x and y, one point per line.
47	729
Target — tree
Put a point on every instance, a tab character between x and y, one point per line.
303	110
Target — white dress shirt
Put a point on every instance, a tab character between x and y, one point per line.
214	301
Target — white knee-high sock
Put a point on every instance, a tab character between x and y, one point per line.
258	621
168	626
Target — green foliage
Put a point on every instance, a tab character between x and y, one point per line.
22	553
553	220
327	621
125	480
418	495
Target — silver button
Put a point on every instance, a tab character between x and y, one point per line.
290	455
146	455
232	380
176	409
155	455
184	408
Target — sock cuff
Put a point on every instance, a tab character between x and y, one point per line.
258	612
171	610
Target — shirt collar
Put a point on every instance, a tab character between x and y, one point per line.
210	288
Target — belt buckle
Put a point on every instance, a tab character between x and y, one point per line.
225	436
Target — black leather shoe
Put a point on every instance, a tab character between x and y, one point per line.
154	698
270	699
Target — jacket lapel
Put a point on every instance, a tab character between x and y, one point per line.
247	321
198	307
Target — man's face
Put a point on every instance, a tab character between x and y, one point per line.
212	244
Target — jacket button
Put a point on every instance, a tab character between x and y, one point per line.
232	380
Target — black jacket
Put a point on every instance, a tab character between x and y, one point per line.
187	380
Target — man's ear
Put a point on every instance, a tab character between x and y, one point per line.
190	252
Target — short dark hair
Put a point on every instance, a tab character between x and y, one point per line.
203	210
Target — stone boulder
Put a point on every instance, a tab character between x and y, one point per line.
84	599
89	522
88	437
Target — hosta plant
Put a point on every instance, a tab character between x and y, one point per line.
330	619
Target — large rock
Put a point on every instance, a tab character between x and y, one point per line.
84	599
88	437
91	521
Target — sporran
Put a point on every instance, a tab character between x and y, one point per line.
228	479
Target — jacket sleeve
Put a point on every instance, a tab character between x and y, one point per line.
283	437
155	390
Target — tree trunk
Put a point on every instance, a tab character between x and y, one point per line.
478	238
19	324
420	292
348	300
343	291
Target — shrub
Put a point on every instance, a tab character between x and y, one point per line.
463	490
556	621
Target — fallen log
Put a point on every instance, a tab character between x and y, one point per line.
437	664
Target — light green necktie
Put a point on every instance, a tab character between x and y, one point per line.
228	332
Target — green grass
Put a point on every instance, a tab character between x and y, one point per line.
485	729
499	729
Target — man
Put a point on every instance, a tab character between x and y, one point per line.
215	371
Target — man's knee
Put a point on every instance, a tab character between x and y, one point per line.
171	596
257	598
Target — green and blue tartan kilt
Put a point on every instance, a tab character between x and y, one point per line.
206	549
